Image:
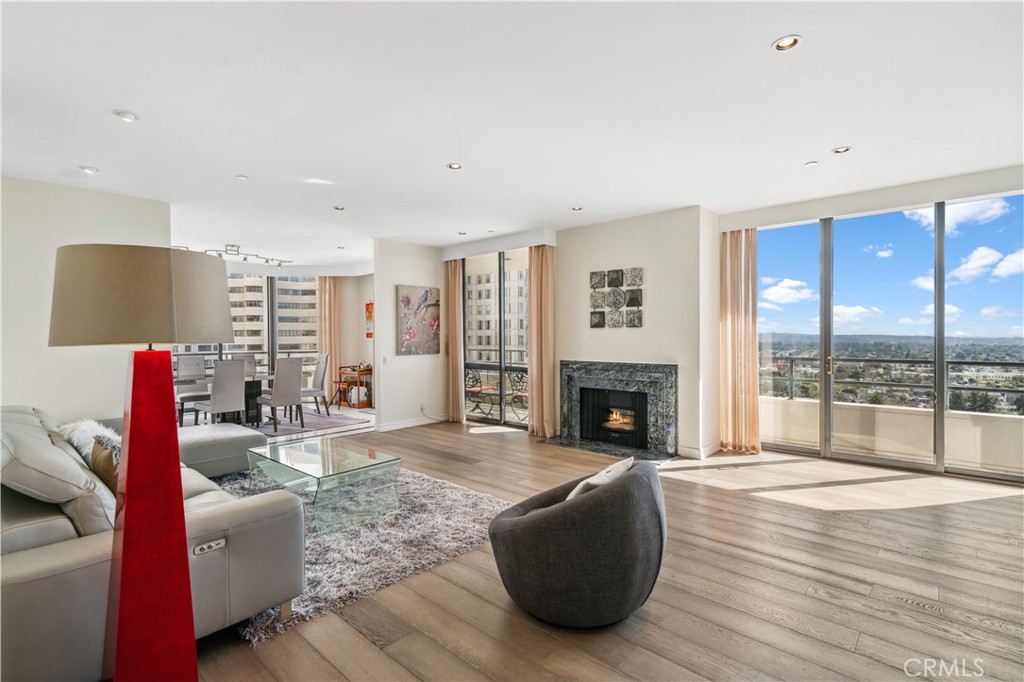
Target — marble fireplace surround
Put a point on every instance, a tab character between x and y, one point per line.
659	382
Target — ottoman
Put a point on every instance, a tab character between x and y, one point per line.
217	449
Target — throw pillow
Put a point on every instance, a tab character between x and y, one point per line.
82	435
607	475
105	460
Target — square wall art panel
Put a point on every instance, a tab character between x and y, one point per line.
419	320
616	298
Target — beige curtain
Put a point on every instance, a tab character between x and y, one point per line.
543	374
739	374
453	340
328	308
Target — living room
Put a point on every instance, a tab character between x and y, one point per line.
380	143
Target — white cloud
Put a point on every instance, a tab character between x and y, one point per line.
991	312
914	320
765	305
975	265
788	291
926	282
880	250
979	212
766	325
769	280
960	333
853	314
1017	330
1011	265
952	312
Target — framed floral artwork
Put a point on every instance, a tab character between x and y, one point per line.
419	320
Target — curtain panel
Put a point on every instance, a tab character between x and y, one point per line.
328	308
542	387
738	323
454	340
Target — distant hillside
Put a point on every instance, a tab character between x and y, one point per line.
781	339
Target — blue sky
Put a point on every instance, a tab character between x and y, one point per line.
883	272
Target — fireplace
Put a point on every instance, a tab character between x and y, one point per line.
619	408
618	417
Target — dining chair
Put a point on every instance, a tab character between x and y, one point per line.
318	388
287	389
190	368
250	362
228	392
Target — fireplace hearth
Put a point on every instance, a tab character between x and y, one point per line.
618	408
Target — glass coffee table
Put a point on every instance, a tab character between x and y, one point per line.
340	482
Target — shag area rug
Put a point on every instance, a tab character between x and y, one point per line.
435	520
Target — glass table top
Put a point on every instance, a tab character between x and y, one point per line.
325	456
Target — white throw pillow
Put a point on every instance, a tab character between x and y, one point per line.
602	477
82	435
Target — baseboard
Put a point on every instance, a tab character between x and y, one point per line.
702	452
421	421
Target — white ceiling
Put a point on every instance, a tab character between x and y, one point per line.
624	109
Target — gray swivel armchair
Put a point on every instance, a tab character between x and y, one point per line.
586	562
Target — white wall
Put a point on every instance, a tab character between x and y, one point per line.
356	292
37	218
402	383
678	252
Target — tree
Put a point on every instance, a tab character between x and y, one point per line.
876	398
1018	404
809	390
957	401
981	402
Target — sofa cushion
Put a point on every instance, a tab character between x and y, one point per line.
40	464
217	449
30	523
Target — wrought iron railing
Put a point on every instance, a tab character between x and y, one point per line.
488	392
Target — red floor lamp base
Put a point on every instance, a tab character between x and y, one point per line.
150	628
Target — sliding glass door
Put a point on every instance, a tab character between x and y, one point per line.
496	296
882	360
892	380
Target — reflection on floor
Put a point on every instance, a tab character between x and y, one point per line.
830	484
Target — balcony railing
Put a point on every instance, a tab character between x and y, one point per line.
787	375
487	392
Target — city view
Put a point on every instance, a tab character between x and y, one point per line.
883	310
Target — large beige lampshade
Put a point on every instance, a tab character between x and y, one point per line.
117	293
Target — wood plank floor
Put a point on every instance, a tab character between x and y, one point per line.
778	568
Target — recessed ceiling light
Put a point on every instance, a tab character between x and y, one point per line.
841	150
490	231
462	233
317	181
786	42
454	166
126	116
341	247
339	208
811	164
89	170
577	208
241	177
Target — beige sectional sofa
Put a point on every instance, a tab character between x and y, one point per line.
56	521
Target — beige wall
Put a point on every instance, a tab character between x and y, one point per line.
678	252
403	383
356	292
37	218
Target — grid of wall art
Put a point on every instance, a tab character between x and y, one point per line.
616	298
